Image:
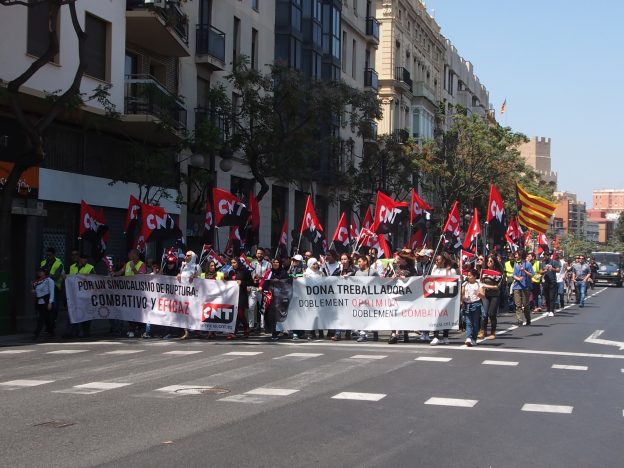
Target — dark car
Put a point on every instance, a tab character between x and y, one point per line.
609	268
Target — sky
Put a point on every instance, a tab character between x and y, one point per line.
560	66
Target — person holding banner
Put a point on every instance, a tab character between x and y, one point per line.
188	272
277	273
365	269
442	267
405	268
471	296
242	276
345	270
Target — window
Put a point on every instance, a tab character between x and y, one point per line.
96	47
236	39
254	4
205	12
355	7
254	49
344	51
354	59
38	34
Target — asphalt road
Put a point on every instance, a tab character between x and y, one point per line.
536	396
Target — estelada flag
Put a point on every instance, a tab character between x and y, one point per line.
252	230
208	219
342	239
157	223
474	231
312	229
417	240
228	209
452	229
388	213
420	210
534	212
496	218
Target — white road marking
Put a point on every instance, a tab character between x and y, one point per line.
183	389
359	396
433	359
451	402
68	351
369	356
271	391
25	383
124	351
539	351
565	367
243	353
299	355
244	399
547	408
92	387
16	351
183	353
82	343
500	363
593	338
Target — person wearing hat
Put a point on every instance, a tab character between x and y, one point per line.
549	270
296	266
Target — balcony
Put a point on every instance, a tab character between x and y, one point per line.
422	89
399	135
403	76
372	30
210	47
158	26
144	95
371	79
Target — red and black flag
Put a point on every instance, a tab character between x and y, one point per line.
282	243
342	239
208	221
228	209
474	231
93	229
420	210
133	220
388	213
496	219
312	229
543	244
417	241
468	261
513	235
235	243
157	224
452	230
368	219
252	229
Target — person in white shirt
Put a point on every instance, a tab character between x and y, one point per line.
471	299
43	289
261	267
331	267
442	267
561	279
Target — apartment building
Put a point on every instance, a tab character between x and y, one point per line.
572	215
609	200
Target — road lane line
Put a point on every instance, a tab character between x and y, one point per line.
369	356
500	363
359	396
68	351
16	351
242	353
183	389
123	352
566	367
182	353
433	359
538	408
93	387
271	391
24	383
451	402
299	355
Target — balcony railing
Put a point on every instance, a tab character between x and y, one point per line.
371	79
170	13
145	95
401	74
400	135
423	89
372	28
210	41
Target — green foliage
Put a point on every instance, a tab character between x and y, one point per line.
618	233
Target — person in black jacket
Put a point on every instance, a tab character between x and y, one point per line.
273	299
242	276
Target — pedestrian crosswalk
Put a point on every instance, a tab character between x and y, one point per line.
249	377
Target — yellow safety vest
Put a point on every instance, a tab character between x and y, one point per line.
509	268
129	271
55	266
536	278
87	269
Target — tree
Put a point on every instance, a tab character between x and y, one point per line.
618	233
462	162
284	125
31	149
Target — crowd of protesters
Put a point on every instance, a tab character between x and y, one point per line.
500	283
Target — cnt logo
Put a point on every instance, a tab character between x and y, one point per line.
217	313
440	286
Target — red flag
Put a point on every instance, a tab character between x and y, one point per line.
474	230
156	221
353	232
452	229
234	243
282	244
312	229
420	210
368	219
133	213
383	246
543	244
252	230
245	262
208	219
229	210
388	213
527	239
468	260
417	241
496	218
92	224
513	234
213	256
341	239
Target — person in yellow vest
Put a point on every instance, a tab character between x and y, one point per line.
55	268
509	269
536	283
80	267
134	266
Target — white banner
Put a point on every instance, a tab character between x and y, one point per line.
157	299
373	303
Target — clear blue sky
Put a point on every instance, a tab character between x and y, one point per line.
560	65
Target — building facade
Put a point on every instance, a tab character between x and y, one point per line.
536	153
571	215
611	201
